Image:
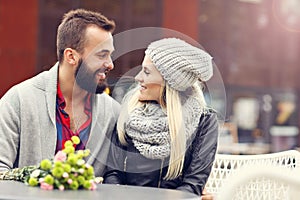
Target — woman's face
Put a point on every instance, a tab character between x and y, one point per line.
150	81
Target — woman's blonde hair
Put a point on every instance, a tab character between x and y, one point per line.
171	102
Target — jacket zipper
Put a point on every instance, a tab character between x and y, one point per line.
125	164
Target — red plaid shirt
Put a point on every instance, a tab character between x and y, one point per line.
64	132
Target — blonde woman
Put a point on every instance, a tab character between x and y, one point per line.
167	136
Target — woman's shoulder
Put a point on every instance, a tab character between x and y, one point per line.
208	116
209	111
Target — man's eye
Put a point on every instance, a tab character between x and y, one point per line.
102	55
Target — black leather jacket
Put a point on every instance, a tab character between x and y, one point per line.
127	166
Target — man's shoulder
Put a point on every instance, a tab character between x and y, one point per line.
43	81
39	81
106	97
106	100
105	106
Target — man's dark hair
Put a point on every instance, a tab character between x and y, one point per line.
71	31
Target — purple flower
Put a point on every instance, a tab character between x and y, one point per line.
70	181
60	156
46	186
61	187
93	185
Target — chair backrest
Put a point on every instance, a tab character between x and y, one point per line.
225	165
261	182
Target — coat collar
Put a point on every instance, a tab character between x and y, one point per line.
50	89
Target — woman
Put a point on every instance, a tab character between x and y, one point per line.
167	136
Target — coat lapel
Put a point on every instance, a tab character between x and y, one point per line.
49	143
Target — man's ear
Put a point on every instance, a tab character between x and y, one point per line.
71	56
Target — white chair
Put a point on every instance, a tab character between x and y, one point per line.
225	165
261	182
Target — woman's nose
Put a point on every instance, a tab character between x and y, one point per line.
138	77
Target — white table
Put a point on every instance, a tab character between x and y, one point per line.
19	191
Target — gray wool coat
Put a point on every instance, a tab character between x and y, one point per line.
28	126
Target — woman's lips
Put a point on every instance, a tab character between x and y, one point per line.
143	87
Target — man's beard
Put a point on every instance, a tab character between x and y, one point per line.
85	79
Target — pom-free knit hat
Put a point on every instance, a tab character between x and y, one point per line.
180	63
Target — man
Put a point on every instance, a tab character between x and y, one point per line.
38	115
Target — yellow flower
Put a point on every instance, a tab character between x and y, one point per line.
75	139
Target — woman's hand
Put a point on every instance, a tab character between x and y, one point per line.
206	196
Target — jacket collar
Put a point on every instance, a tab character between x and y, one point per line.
50	89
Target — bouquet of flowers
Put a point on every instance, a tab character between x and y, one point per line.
67	170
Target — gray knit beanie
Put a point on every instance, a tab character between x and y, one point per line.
180	63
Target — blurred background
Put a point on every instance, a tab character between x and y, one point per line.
255	45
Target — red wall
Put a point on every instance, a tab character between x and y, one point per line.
18	41
182	16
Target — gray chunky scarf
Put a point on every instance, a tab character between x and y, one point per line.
147	126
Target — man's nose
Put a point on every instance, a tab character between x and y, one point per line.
109	65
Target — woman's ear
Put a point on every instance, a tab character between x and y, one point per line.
71	56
